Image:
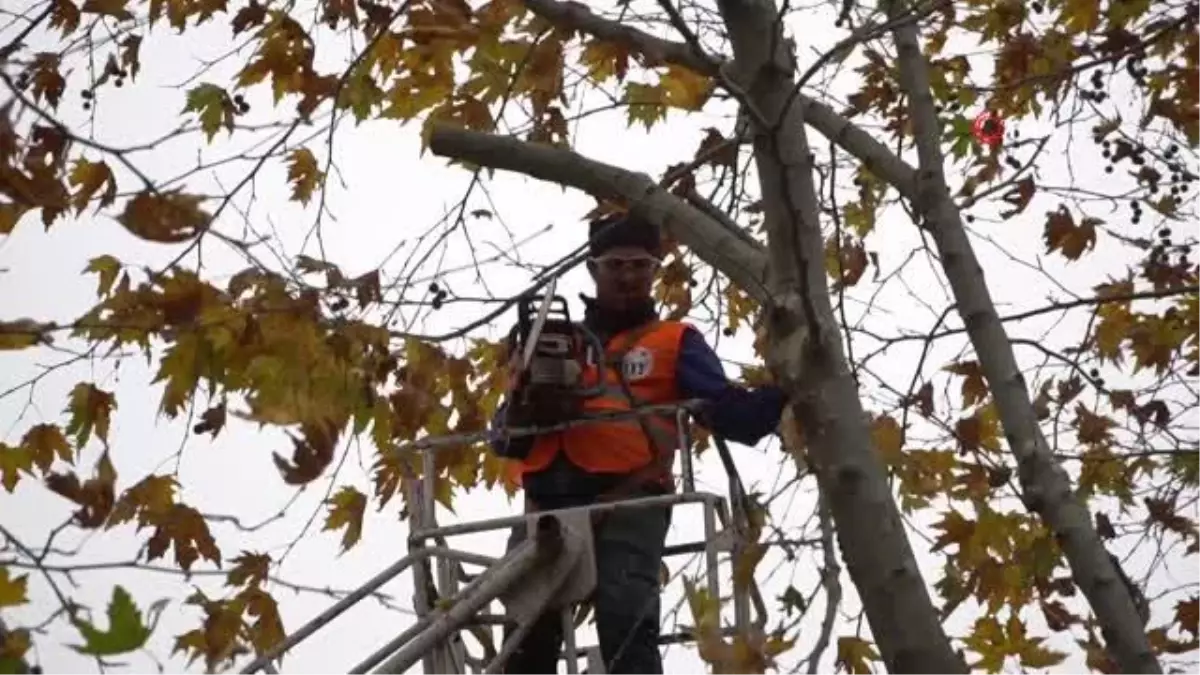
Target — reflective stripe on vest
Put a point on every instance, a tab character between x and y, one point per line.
622	446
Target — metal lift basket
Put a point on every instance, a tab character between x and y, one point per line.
554	569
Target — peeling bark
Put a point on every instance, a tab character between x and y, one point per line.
1046	487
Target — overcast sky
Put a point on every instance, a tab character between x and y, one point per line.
387	195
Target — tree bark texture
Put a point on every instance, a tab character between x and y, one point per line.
1045	485
904	622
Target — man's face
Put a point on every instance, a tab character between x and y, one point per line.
624	277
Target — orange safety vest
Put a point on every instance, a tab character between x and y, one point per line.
648	356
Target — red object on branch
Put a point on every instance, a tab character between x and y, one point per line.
988	128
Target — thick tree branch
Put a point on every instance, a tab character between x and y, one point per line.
1046	486
814	369
718	246
875	156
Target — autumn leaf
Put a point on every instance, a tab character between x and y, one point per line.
126	631
213	106
605	59
107	267
90	409
1187	615
346	510
685	88
9	215
168	217
94	496
266	631
303	174
149	500
46	443
888	438
13	589
974	386
854	655
64	16
183	528
114	8
14	644
14	462
1019	197
249	569
88	177
23	333
47	83
1062	234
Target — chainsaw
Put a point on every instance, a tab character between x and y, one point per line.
553	354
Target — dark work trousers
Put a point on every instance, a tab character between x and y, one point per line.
629	548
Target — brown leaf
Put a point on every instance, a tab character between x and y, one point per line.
1187	615
311	454
1019	196
211	421
249	569
1058	617
1062	234
974	386
45	443
95	496
346	509
1092	429
1104	526
168	217
184	528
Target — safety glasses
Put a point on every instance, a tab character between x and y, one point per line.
639	264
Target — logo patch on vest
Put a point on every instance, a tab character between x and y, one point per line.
638	363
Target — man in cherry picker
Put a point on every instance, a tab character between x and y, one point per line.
662	362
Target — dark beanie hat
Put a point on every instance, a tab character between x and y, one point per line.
623	229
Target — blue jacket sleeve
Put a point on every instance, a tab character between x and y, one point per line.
734	412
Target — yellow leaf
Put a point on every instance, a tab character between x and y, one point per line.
23	333
14	462
303	174
107	267
685	88
45	443
888	438
346	510
88	178
1081	16
855	654
645	103
13	590
604	60
167	217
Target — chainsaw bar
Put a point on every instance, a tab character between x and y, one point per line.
535	331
